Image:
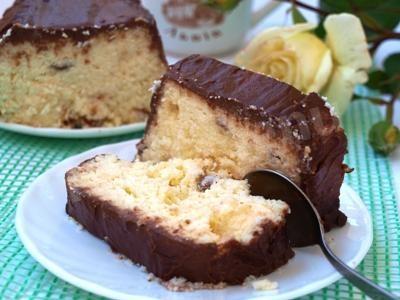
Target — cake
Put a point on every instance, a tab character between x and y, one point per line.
203	108
74	64
179	218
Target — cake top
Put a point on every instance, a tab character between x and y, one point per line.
251	95
172	194
60	15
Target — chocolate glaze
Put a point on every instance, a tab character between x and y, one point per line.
166	255
305	121
43	20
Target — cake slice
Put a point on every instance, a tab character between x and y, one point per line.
73	64
179	219
203	108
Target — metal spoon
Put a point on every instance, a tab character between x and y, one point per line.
304	224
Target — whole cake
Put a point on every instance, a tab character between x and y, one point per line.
179	219
77	63
243	121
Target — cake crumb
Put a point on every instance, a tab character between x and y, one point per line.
151	277
307	151
83	44
329	106
6	35
180	284
206	182
296	134
261	284
141	19
155	86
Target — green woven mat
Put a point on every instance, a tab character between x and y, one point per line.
23	158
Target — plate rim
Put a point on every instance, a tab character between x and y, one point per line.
68	133
98	289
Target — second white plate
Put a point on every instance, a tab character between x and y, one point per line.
73	133
87	262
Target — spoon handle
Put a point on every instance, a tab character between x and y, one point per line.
367	286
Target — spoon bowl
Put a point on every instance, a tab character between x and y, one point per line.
303	222
304	225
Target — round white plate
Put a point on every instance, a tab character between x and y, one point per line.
87	262
73	133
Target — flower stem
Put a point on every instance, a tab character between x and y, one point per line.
390	107
377	40
306	6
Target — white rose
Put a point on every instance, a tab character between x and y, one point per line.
296	56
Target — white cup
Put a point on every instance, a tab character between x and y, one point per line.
188	27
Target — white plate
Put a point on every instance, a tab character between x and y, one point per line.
87	262
73	133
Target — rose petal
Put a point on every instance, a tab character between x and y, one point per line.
311	53
254	46
346	39
323	73
340	87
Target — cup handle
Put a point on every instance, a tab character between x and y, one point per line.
265	10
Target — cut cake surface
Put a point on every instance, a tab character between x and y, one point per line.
78	63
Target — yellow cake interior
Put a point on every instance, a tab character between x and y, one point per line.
187	127
169	194
102	82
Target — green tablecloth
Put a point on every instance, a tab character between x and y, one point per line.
23	158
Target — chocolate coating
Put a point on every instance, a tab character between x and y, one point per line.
38	20
166	255
61	14
306	121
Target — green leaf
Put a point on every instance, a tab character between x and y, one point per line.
297	16
223	5
373	13
377	79
392	64
320	31
384	137
383	82
392	68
